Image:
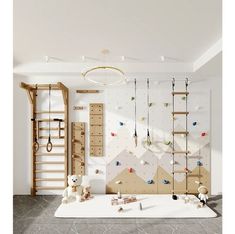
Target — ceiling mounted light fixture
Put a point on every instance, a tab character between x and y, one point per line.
105	75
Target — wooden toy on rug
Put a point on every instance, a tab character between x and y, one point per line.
123	200
74	189
86	194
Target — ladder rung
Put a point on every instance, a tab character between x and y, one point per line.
52	137
87	91
48	120
180	152
49	179
49	188
180	113
58	145
52	129
49	154
180	93
49	171
194	175
181	171
47	112
49	162
180	132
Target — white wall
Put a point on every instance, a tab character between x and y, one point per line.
22	130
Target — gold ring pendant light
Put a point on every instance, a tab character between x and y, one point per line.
117	71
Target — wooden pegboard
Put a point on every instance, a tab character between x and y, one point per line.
78	148
96	129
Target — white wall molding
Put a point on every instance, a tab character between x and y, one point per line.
208	55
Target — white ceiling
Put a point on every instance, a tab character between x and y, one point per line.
141	30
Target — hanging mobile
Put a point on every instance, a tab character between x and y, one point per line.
35	143
49	143
135	134
148	103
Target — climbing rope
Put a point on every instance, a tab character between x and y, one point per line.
49	143
35	143
148	103
135	133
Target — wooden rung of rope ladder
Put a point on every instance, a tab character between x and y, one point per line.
180	152
49	162
87	91
50	120
180	132
180	113
51	129
49	179
49	171
181	171
50	188
180	93
52	137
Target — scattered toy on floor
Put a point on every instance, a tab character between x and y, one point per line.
74	189
186	199
174	197
123	200
165	181
203	197
140	206
86	194
194	123
150	181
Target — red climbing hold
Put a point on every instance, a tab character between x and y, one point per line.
203	134
113	134
130	169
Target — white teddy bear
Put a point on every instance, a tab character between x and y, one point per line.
74	190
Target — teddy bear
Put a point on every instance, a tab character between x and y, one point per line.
203	191
74	189
86	194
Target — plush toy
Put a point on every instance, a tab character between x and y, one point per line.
86	194
74	190
203	191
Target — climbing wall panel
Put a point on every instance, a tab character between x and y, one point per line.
96	129
78	148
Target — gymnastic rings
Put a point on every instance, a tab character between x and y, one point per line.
35	145
49	145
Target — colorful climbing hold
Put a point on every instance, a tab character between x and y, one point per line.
132	98
167	142
118	163
194	123
172	162
121	123
183	98
150	104
203	134
197	108
113	134
142	118
150	181
186	170
199	163
166	104
97	171
142	162
118	182
165	181
130	169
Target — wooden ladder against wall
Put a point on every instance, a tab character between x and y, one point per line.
185	133
37	126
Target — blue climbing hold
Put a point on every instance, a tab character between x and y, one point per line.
118	163
165	181
194	123
199	163
150	182
121	123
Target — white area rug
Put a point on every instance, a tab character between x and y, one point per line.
154	206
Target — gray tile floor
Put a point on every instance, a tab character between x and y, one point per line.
36	215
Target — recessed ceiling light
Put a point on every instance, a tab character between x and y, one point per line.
123	58
47	58
83	58
162	58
